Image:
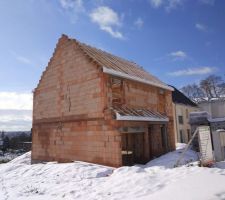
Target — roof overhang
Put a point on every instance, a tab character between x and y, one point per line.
124	113
134	78
138	118
219	119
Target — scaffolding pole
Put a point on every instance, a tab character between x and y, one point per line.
186	148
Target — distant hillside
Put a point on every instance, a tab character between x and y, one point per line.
12	134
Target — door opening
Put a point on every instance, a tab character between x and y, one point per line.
132	148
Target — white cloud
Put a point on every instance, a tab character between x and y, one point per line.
73	8
20	58
139	23
176	55
172	4
17	101
72	4
193	71
23	59
107	19
201	27
167	4
15	120
156	3
115	34
15	115
208	2
15	111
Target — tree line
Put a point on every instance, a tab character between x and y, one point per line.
13	142
211	87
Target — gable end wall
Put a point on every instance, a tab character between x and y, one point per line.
68	114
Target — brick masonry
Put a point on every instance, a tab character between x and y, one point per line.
72	119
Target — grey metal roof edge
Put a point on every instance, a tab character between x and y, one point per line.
137	118
127	76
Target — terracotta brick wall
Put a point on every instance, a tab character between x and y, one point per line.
91	141
147	96
68	84
68	117
139	95
72	119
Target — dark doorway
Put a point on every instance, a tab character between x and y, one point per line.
164	138
181	136
150	142
132	148
157	140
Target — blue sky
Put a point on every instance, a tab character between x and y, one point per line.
179	41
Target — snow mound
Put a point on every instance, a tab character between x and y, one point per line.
20	180
180	146
220	165
23	159
85	181
169	160
140	183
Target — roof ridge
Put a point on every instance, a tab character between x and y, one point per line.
142	70
118	57
113	64
119	64
110	54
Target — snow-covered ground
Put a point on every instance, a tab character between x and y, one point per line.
8	156
158	179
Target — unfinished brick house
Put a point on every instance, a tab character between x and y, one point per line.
92	106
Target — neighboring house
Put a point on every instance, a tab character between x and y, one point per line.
93	106
182	107
215	107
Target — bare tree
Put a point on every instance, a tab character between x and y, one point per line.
193	91
206	87
211	87
222	90
215	82
187	90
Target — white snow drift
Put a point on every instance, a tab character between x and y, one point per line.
157	179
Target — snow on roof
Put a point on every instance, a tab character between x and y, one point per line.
219	119
206	115
209	100
196	113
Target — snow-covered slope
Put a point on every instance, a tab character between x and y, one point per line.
169	160
79	180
